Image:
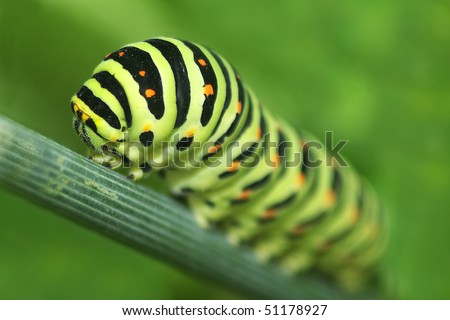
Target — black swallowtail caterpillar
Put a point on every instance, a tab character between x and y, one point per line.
182	110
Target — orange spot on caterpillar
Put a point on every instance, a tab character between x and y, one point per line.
245	194
330	197
190	133
234	166
302	143
298	230
208	90
121	53
269	214
356	215
150	93
259	133
276	160
142	73
147	127
239	108
202	62
214	149
300	179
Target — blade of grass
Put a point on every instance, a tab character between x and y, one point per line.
69	184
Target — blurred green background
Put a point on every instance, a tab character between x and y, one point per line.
376	73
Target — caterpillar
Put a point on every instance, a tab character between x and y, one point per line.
180	109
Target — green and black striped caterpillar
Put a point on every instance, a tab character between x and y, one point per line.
182	110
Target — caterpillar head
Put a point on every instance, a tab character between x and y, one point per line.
96	130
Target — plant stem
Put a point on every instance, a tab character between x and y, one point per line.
69	184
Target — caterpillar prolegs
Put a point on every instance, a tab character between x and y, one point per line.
178	108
